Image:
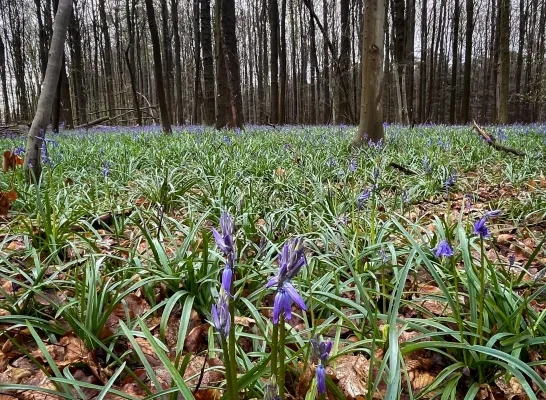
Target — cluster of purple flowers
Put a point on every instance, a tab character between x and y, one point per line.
321	351
291	261
221	317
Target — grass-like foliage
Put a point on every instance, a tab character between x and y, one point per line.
270	263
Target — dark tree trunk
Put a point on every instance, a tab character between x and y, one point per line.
7	117
208	63
423	63
274	28
327	110
344	104
43	38
519	61
455	56
197	63
158	69
465	108
130	56
540	63
178	62
222	97
167	54
282	66
75	43
410	58
527	88
504	61
108	69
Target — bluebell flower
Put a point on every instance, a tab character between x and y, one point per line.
321	349
291	260
224	240
426	165
443	249
221	318
271	390
283	302
227	140
105	169
352	165
451	180
332	162
375	174
363	197
493	213
18	151
405	197
321	379
383	254
480	228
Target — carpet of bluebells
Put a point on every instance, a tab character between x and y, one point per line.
275	263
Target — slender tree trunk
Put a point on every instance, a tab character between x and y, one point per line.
371	111
231	55
519	62
197	63
222	97
208	64
455	56
504	61
7	117
540	63
178	62
158	68
75	42
527	88
282	66
108	69
167	54
274	28
327	112
36	134
343	92
130	8
410	59
465	108
423	63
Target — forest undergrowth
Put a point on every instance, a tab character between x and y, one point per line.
421	265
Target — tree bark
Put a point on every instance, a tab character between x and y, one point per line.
519	61
465	108
7	117
222	97
282	66
167	54
504	61
178	62
371	111
231	55
158	69
327	110
423	63
75	42
197	63
343	93
36	135
208	64
108	69
274	46
130	10
453	88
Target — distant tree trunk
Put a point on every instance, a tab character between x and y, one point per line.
197	63
229	39
7	118
296	109
208	63
399	32
158	68
519	61
178	62
410	58
42	39
371	111
433	51
423	64
453	97
282	66
17	25
36	134
527	88
222	98
504	61
75	42
274	28
465	108
343	92
540	63
108	69
130	56
167	54
327	110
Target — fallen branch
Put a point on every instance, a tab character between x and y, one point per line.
490	139
405	170
92	123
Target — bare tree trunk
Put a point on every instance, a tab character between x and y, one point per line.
274	28
108	70
540	63
178	63
208	64
410	59
453	89
282	66
130	56
504	61
158	69
222	98
197	63
75	42
527	88
7	118
343	93
36	134
519	62
465	108
327	111
423	63
371	111
167	54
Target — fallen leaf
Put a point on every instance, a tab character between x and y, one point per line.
6	200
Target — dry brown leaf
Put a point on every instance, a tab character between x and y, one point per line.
6	199
148	351
10	161
511	389
195	342
352	373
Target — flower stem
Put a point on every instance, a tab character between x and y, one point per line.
481	303
232	354
274	346
227	366
282	364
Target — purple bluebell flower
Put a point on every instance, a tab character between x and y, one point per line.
443	249
227	274
271	390
492	213
321	349
480	228
511	260
18	151
375	174
426	165
363	197
224	240
352	165
383	254
405	197
321	379
221	318
332	162
451	180
105	169
227	140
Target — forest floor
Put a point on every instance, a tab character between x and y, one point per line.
109	270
